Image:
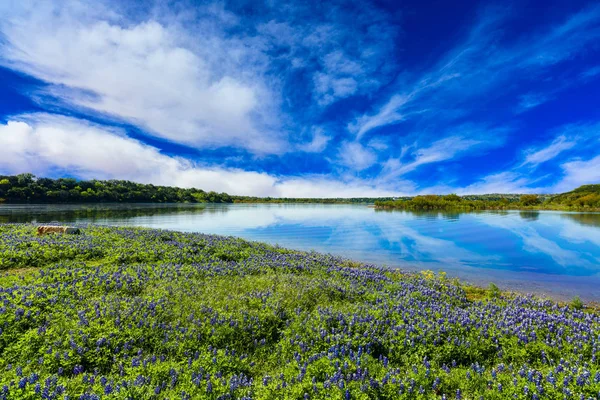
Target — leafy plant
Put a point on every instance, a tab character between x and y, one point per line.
576	303
493	290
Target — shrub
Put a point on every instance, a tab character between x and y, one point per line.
576	303
530	200
493	290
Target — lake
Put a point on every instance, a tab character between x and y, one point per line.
550	253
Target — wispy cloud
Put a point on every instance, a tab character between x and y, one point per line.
457	143
535	157
570	142
318	141
355	156
480	64
343	48
591	72
577	173
441	150
501	182
532	100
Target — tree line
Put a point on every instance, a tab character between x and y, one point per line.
583	198
26	188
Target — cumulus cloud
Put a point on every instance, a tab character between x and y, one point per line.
205	93
40	143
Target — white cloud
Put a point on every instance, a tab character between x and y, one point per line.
318	142
448	148
558	145
518	178
355	156
324	186
577	173
388	114
591	72
378	144
40	143
329	88
480	64
196	88
503	182
343	49
532	100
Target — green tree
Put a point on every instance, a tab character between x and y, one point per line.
530	200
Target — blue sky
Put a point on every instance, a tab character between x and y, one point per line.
304	99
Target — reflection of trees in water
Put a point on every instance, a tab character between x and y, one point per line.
96	213
429	215
449	215
529	215
588	219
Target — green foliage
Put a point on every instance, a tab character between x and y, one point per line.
576	303
493	290
586	197
529	200
332	200
448	202
25	188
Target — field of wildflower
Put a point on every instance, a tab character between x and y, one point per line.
148	314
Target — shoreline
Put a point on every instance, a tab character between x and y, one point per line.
458	209
511	288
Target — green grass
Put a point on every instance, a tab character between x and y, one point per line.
148	314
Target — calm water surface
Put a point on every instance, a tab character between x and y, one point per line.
552	253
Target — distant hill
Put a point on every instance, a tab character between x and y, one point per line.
586	195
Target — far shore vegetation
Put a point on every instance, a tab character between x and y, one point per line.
584	198
26	188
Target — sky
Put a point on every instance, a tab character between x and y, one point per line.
306	98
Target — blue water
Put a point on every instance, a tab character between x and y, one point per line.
549	253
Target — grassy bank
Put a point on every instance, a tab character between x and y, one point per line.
141	314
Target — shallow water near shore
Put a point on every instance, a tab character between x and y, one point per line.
549	253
